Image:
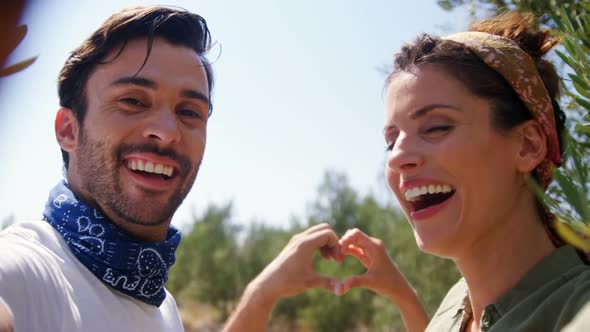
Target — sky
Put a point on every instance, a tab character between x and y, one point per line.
298	92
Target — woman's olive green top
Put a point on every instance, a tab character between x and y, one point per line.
547	298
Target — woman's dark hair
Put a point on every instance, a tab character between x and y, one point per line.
456	59
177	26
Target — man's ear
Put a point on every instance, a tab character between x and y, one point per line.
66	129
532	147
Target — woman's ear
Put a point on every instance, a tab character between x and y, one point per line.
532	147
66	129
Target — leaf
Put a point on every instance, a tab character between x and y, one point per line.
574	195
569	61
583	128
17	67
585	5
12	39
571	237
583	103
566	20
581	86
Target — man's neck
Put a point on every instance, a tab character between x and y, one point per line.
147	233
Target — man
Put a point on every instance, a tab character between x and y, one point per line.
135	100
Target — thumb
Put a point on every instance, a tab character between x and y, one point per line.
324	282
353	282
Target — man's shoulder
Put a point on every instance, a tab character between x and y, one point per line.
30	251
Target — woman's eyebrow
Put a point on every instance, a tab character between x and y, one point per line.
424	110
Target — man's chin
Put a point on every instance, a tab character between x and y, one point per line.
145	212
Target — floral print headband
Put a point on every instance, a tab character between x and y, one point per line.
519	70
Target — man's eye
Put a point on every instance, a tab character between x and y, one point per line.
190	114
131	101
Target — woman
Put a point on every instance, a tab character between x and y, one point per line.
469	117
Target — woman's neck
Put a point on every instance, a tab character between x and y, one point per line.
494	264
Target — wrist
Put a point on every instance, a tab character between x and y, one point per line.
259	295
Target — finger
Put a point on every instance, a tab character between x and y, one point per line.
319	281
323	238
357	238
358	253
330	252
318	227
353	282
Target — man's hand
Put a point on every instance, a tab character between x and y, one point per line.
289	274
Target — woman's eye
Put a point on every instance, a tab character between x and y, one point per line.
390	141
438	130
389	146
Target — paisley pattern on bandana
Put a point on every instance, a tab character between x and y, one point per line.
136	268
519	70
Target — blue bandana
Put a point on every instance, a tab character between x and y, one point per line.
134	267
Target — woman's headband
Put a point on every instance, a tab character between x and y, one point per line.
519	70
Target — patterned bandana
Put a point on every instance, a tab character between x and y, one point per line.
136	268
519	70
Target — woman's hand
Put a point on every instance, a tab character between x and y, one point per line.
382	276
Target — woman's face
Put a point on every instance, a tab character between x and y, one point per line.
452	172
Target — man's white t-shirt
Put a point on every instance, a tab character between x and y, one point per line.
48	289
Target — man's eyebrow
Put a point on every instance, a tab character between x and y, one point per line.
144	82
424	110
194	94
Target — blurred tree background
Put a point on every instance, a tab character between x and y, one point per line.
217	259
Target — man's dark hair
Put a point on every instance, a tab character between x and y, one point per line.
177	26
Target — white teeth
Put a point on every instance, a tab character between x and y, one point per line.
413	193
431	189
158	169
150	167
168	171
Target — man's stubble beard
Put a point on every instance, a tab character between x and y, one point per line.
99	172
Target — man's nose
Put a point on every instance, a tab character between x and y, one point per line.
163	126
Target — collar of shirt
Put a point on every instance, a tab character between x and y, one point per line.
553	266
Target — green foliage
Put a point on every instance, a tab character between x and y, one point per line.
542	9
215	255
571	197
207	267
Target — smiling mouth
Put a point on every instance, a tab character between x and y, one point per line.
151	170
421	198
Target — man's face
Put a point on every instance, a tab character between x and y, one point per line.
141	143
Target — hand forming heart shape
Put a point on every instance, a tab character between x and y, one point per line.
292	272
